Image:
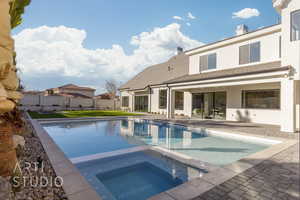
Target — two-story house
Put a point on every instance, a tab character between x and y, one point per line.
71	90
253	76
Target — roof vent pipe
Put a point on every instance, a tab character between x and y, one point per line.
241	29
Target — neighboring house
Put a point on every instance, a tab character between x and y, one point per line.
105	96
33	92
71	90
253	76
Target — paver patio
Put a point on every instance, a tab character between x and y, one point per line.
277	178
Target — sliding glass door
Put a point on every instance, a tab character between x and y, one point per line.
141	103
210	105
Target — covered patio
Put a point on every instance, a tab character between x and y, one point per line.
263	94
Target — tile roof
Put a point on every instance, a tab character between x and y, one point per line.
76	87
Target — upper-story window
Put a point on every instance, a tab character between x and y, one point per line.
208	62
250	53
295	25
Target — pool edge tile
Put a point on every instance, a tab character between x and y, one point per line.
74	184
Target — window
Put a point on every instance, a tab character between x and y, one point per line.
250	53
125	101
179	99
141	103
295	25
212	61
261	99
163	99
208	62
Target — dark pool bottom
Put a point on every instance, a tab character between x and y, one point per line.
139	181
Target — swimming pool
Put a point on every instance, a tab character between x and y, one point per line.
79	139
137	176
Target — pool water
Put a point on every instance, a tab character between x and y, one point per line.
136	176
85	138
139	181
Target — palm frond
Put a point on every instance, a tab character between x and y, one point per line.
17	9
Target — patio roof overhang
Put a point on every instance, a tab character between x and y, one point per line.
266	76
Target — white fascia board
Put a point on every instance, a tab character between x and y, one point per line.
227	84
230	78
242	38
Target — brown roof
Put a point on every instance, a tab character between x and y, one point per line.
76	87
232	72
103	96
73	95
175	67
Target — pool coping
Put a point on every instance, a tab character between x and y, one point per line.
185	191
75	185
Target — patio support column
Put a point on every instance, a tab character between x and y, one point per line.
149	100
288	105
188	102
170	103
133	103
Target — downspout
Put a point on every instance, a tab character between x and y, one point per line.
150	91
169	102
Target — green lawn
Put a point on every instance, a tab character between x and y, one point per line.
85	113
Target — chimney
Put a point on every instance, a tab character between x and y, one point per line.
179	50
241	29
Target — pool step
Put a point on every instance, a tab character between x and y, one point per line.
108	154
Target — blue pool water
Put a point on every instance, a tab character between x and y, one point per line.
136	176
85	138
139	181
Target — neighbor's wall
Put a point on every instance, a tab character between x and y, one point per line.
235	112
81	102
228	56
40	102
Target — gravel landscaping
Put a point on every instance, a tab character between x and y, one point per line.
33	180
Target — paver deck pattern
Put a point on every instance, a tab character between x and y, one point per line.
277	178
232	126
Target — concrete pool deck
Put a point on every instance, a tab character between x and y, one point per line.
77	187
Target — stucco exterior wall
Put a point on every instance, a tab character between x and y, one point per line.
290	49
228	56
155	101
131	100
235	112
298	104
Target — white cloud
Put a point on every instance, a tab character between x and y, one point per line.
246	13
191	16
177	18
50	56
188	24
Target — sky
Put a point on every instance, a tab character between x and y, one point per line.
87	42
